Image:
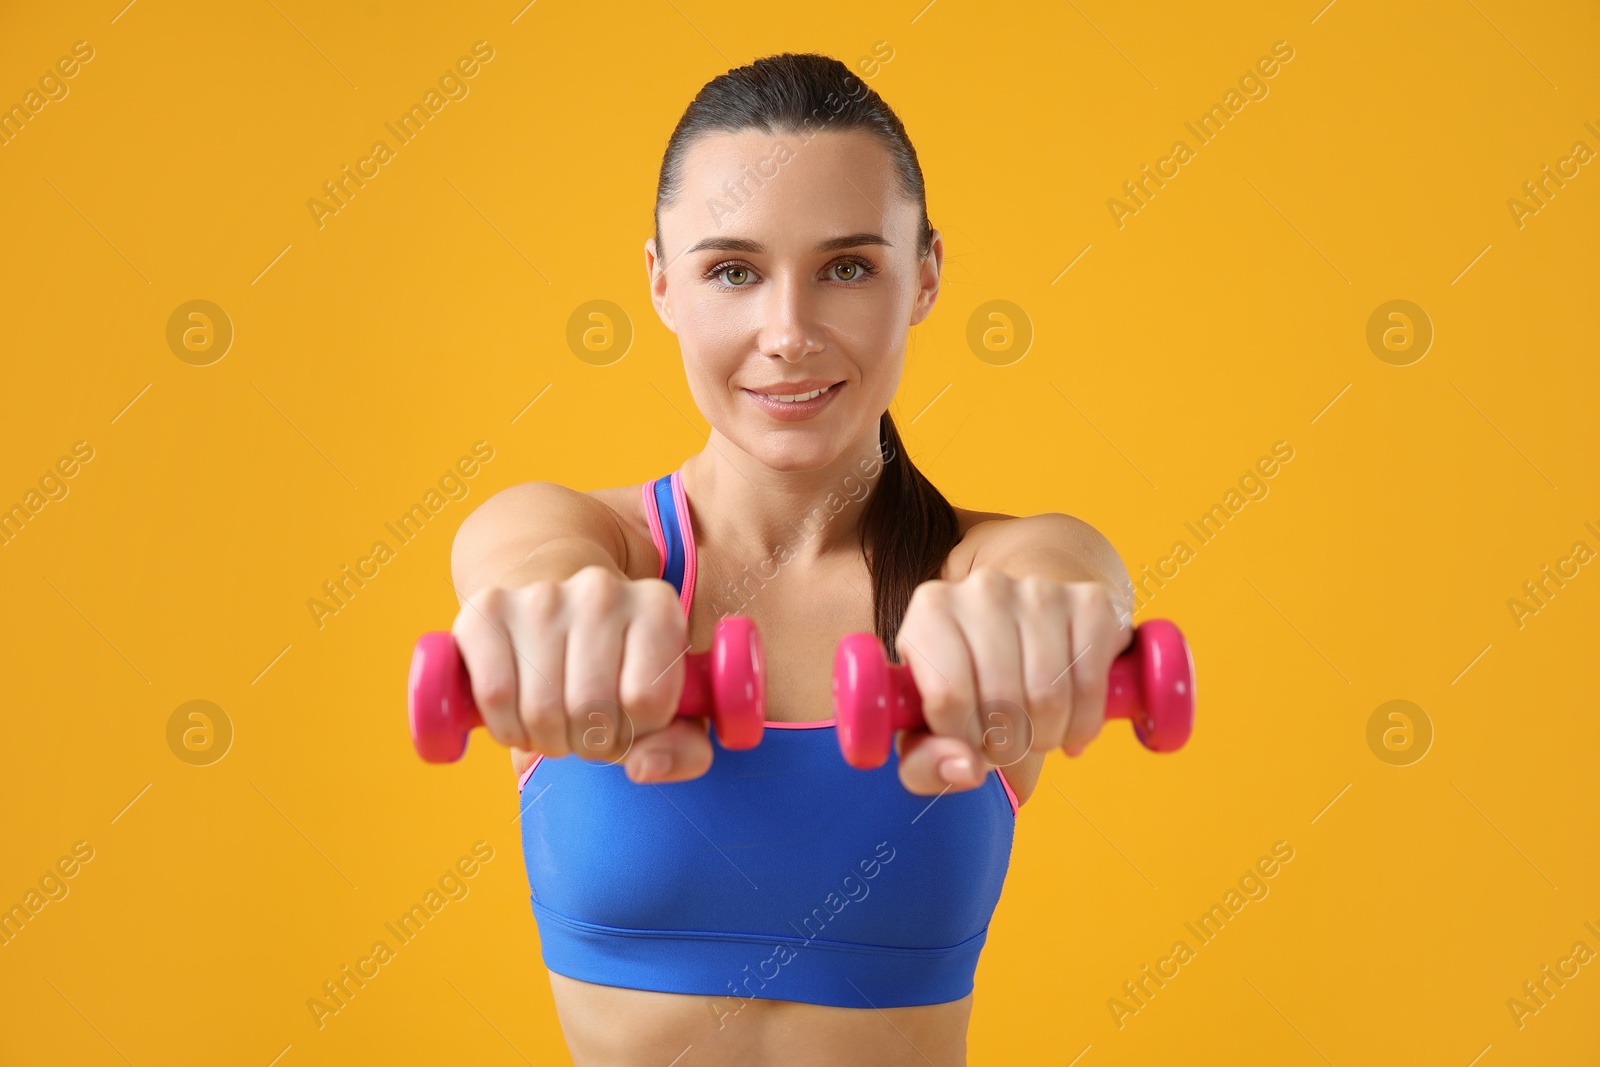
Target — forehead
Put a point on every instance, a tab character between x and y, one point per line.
752	182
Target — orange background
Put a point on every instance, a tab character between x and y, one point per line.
1230	312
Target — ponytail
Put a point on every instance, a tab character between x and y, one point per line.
907	532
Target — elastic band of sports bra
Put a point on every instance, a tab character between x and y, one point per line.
881	976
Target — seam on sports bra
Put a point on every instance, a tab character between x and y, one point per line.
764	939
647	491
686	534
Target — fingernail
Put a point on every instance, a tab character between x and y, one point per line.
655	765
957	770
1074	751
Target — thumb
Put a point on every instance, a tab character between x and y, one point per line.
677	752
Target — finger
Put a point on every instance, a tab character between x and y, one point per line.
677	752
486	650
654	650
930	764
595	727
538	642
932	645
987	614
1044	619
1093	639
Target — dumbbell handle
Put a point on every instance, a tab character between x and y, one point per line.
725	683
1151	684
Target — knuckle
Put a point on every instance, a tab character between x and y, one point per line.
489	602
597	587
547	731
649	701
661	611
1007	729
1092	597
1046	701
934	594
597	728
539	601
991	581
494	691
1041	593
502	724
1054	723
655	594
941	703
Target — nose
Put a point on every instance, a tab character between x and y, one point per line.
790	326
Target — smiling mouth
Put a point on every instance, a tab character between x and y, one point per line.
797	398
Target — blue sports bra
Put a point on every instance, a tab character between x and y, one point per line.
782	873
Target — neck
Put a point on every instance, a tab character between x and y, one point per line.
754	512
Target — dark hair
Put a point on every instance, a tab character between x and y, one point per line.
909	527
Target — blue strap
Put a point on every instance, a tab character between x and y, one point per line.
671	532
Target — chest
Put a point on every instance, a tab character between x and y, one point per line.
800	614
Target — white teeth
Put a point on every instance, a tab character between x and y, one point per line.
795	398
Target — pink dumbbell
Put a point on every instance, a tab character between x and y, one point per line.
727	684
1151	684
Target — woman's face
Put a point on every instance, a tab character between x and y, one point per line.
789	266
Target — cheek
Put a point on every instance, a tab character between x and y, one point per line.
875	338
715	343
712	358
713	327
871	331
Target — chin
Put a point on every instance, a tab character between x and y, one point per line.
793	450
789	453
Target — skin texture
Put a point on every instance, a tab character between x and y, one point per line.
1010	646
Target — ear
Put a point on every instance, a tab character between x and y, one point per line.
928	274
654	269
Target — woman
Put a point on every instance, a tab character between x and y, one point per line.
700	905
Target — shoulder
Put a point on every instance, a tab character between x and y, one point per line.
504	527
986	533
626	504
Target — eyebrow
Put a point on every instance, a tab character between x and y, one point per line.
832	244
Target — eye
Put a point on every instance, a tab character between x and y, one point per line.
733	274
855	267
731	268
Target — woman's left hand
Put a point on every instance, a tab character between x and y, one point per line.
1005	666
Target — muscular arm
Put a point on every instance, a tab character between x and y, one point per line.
1054	546
536	531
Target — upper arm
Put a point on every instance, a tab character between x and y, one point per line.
520	519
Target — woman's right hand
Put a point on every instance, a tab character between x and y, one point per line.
593	665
